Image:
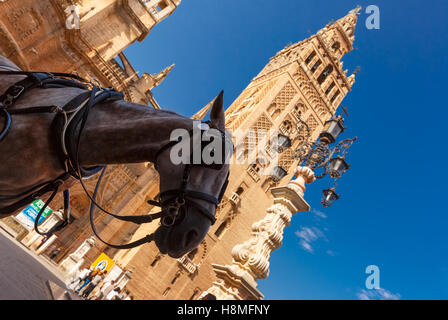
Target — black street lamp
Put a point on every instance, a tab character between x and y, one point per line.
330	160
332	129
329	196
283	142
278	173
337	167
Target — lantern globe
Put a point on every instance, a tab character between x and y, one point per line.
278	173
338	166
283	142
332	129
329	197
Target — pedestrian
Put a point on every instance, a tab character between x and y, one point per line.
81	277
98	293
119	295
113	294
89	278
125	294
128	296
105	289
92	285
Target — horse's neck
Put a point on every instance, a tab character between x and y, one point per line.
123	132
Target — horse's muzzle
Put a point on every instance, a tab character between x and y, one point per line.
184	235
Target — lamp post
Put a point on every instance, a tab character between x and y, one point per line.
284	142
251	259
278	173
325	159
237	281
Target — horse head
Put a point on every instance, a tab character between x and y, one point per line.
203	185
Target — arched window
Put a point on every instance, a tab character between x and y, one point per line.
219	232
336	46
310	57
274	111
176	276
286	127
350	31
165	293
327	71
316	65
330	87
156	259
335	96
298	111
195	292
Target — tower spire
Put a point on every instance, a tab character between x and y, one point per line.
348	23
200	115
158	78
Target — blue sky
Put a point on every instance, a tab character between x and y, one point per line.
392	212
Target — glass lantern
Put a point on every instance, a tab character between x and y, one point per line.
283	143
337	167
329	196
278	173
332	129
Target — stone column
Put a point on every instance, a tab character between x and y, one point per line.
251	258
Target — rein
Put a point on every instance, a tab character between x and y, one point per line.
69	118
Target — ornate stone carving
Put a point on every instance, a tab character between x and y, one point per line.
251	258
25	21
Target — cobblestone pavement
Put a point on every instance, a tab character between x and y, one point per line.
22	275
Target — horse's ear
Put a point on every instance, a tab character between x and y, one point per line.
217	115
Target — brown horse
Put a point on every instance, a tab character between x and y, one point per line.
116	132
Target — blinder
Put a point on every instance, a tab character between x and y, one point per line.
175	200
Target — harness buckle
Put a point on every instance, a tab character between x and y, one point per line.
10	97
57	109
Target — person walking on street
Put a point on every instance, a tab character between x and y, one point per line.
119	295
95	281
89	278
81	277
113	293
105	289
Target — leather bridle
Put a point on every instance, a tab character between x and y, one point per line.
177	198
73	117
173	201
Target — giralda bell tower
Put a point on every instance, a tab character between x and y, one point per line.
303	81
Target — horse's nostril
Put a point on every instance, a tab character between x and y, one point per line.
190	237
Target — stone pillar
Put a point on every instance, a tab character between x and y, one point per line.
251	258
47	243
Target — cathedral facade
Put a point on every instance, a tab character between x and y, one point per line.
304	81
